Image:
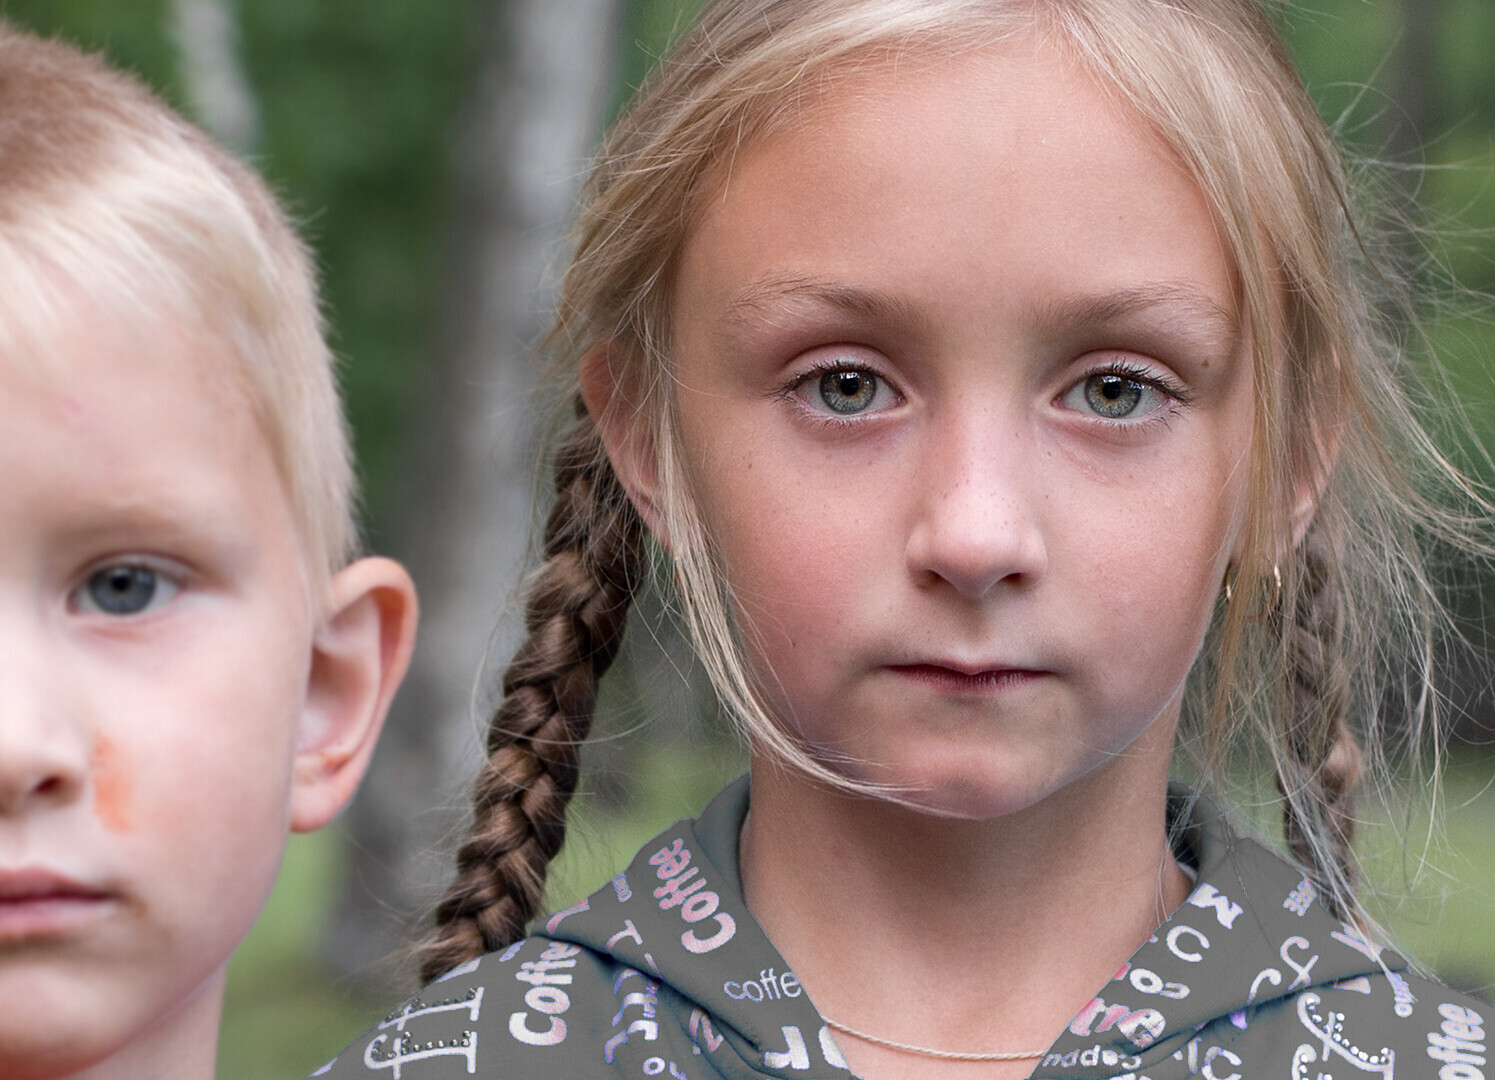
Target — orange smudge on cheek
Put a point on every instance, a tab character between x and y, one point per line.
112	788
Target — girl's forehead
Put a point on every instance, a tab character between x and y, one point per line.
1025	90
1005	138
1025	63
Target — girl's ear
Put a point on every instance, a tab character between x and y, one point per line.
615	402
1314	481
359	656
1309	484
1304	509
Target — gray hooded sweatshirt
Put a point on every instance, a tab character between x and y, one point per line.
664	972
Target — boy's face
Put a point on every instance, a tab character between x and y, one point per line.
155	644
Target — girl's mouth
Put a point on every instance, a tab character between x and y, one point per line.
949	678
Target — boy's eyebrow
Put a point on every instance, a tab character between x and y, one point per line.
134	518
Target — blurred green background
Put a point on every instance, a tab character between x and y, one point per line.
360	113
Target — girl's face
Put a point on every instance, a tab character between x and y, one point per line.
965	402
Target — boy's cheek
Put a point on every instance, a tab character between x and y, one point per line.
202	773
113	786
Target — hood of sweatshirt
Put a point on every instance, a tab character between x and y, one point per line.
1251	933
664	972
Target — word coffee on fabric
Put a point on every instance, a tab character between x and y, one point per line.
767	986
1460	1044
695	901
545	995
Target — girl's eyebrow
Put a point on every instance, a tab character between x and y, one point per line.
762	298
1174	307
1181	307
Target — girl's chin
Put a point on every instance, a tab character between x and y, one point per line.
966	803
956	793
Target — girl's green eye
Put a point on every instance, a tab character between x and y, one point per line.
1113	396
1118	396
124	590
848	391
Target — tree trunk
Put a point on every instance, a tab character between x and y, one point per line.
206	34
541	87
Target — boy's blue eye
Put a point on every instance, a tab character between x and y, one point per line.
124	590
848	390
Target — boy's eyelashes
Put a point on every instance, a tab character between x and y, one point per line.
124	589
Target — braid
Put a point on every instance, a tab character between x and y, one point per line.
1320	758
574	618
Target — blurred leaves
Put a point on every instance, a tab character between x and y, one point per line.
358	100
133	34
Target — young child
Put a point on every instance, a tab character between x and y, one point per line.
191	664
994	377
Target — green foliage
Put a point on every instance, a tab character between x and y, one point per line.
649	27
1462	41
1348	52
358	101
1438	898
131	34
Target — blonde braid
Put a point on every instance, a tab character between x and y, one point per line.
1320	759
575	616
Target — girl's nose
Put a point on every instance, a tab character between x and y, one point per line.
43	756
977	525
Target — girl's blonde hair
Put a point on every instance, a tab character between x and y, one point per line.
1330	593
110	199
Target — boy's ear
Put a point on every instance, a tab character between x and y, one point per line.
610	391
359	656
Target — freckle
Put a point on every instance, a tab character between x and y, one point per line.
111	786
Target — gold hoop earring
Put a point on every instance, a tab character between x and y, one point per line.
1272	603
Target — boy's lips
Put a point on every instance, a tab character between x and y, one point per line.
36	902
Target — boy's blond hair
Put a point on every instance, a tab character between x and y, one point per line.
107	194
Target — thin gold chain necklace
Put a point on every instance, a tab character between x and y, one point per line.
927	1051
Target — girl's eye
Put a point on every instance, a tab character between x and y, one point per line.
124	590
848	390
839	384
840	388
1116	395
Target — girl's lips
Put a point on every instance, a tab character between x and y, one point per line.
39	903
960	679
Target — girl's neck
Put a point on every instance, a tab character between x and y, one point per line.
957	934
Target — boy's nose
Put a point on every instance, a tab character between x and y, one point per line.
977	526
43	756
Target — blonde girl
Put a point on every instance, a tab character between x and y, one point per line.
994	377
